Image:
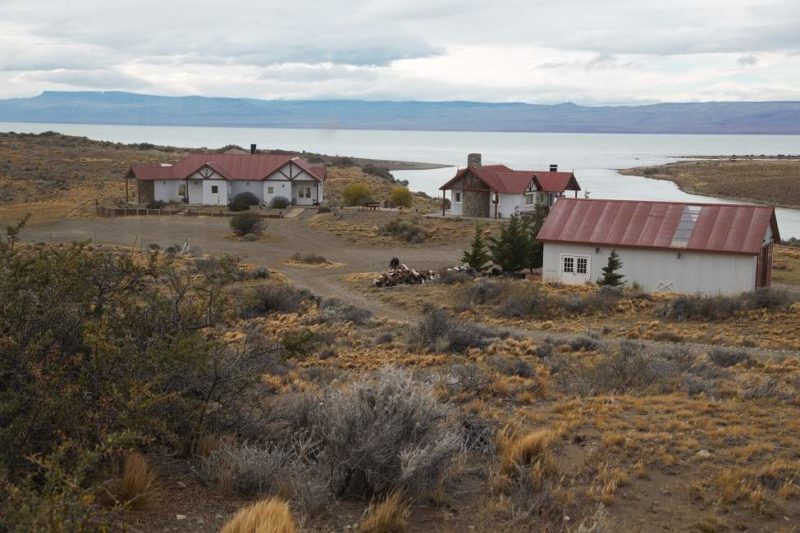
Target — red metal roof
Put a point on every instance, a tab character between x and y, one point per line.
724	228
245	167
501	179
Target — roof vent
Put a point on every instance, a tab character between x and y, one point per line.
553	168
252	149
683	232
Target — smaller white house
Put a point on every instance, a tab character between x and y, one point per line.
664	246
215	179
497	191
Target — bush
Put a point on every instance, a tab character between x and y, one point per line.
483	291
245	223
700	307
449	276
356	194
380	172
439	331
279	202
156	204
299	343
404	229
384	433
243	201
728	358
335	309
274	298
401	196
309	259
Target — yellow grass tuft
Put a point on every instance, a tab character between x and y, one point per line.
388	516
267	516
522	450
137	488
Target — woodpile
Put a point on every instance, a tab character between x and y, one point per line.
400	274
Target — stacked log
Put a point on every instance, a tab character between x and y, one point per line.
400	274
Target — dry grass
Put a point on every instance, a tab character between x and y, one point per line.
138	488
390	515
767	181
267	516
522	450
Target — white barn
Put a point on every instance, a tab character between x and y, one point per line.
671	247
215	179
497	191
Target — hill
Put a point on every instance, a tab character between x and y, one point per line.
139	109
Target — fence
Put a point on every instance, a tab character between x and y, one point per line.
141	211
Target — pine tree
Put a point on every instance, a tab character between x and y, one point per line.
510	250
477	256
611	276
534	249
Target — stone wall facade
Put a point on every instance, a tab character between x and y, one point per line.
476	199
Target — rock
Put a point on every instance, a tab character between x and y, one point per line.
703	454
180	517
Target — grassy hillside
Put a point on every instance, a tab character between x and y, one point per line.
771	181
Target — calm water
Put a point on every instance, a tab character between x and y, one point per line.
593	157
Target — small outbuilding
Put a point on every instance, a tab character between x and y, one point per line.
497	191
664	246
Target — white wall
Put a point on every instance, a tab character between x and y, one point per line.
280	187
304	183
507	205
255	187
167	190
659	270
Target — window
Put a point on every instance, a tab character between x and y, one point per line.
582	264
569	264
214	189
308	192
529	198
270	190
457	197
182	189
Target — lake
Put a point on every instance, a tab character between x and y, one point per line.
593	157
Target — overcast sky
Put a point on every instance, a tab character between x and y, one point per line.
541	51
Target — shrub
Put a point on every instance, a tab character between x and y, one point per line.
243	201
483	291
384	433
356	194
299	343
700	307
245	223
245	469
335	309
404	229
309	259
267	516
156	204
439	331
390	515
374	170
401	196
279	202
728	358
511	366
274	298
449	276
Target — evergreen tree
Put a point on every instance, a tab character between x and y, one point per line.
477	257
510	250
611	276
534	249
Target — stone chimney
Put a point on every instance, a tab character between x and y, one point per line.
553	168
474	161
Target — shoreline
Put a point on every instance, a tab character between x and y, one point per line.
730	177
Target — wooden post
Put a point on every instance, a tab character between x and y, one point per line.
444	201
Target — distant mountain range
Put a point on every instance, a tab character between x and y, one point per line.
139	109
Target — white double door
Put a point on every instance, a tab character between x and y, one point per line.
575	269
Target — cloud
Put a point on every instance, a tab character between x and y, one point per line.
747	60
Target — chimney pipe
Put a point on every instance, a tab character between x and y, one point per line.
253	148
474	161
553	168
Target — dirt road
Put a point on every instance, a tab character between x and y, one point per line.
285	237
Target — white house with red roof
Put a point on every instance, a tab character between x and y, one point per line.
215	179
664	246
497	191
